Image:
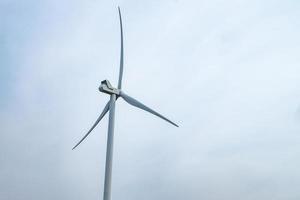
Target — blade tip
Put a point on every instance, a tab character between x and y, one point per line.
75	146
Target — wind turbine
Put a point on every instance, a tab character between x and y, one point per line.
115	93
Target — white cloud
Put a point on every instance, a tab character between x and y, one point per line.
227	71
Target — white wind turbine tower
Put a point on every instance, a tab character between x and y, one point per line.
115	93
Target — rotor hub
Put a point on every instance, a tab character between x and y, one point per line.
107	88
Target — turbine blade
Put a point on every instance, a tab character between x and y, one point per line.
138	104
106	108
122	52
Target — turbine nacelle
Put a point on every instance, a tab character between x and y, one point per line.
107	88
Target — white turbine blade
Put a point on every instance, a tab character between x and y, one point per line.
122	52
138	104
106	108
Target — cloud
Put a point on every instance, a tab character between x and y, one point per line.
227	72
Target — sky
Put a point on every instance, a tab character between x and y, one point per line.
228	72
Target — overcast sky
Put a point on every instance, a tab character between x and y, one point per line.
228	72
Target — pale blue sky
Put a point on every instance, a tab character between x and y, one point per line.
227	71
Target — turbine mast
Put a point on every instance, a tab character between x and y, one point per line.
109	149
